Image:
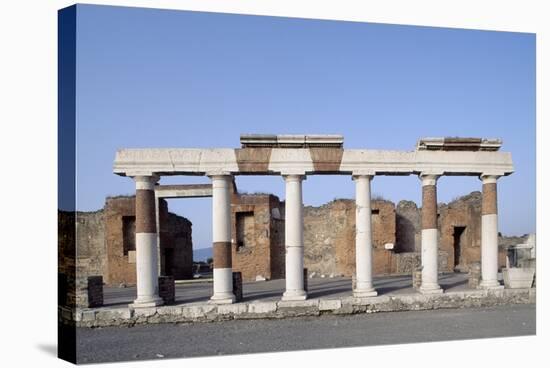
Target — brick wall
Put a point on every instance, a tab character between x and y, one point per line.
462	213
176	249
90	237
120	269
254	235
175	242
93	243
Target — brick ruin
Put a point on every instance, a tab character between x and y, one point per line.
258	233
105	242
106	238
329	236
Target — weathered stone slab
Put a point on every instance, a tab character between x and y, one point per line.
330	304
262	307
232	309
369	300
295	308
173	310
145	312
198	311
88	315
298	303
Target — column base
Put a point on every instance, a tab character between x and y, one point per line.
364	293
430	289
225	298
155	302
294	295
490	285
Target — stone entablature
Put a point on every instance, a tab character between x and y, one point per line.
269	159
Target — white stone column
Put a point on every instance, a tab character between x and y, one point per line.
429	237
294	239
363	238
489	234
146	243
221	238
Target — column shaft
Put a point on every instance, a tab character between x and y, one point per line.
489	234
429	237
294	239
363	238
146	243
221	238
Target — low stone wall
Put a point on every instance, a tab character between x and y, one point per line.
474	275
167	289
204	312
88	292
95	291
238	286
417	278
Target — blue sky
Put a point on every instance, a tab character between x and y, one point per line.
161	78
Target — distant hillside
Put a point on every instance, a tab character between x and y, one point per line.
202	254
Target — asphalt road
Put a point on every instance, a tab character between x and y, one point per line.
254	336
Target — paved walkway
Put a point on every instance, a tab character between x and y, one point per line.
326	288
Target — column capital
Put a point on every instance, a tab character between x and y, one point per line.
146	182
428	179
488	178
355	177
361	172
293	177
219	175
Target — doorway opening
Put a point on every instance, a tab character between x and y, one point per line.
458	235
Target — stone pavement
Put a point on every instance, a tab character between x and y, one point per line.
337	287
263	300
